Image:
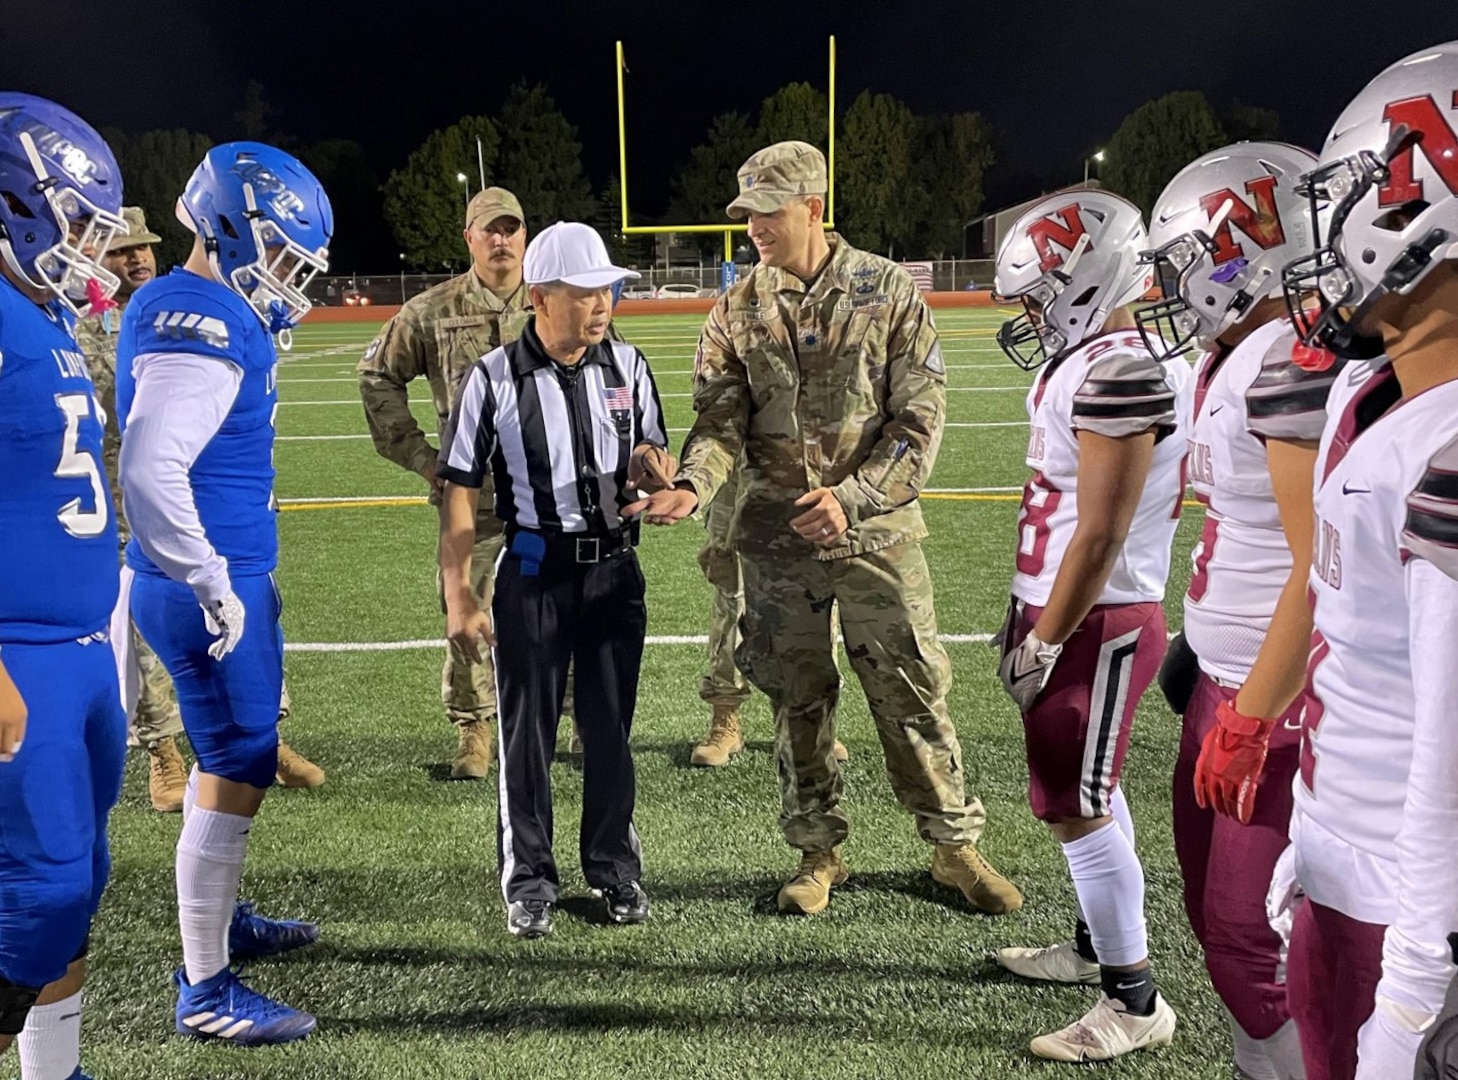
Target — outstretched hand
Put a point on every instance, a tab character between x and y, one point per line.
667	507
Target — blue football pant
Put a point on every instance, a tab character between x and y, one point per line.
229	707
54	801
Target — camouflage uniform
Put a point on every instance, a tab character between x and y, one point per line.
439	335
837	384
156	717
722	684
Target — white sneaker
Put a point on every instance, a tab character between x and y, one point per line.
1108	1031
1056	963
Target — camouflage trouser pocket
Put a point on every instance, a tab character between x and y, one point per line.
755	655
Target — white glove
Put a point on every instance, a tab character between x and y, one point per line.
224	618
1027	668
1283	897
1387	1048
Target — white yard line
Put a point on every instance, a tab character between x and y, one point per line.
318	438
439	643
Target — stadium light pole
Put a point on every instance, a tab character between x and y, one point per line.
1099	157
464	181
402	277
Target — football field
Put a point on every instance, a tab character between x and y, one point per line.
415	974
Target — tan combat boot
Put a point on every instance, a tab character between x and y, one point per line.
808	892
724	740
841	753
964	868
166	776
473	751
295	770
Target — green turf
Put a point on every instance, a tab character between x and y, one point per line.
416	975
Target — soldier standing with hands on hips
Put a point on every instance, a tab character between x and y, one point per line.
822	367
568	426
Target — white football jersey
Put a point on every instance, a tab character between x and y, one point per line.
1376	459
1110	385
1243	396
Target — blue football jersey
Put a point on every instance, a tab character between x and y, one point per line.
58	566
232	479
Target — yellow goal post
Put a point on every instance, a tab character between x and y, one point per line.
727	228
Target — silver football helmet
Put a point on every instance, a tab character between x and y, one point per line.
1390	171
1221	233
1071	260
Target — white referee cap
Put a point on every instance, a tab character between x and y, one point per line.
573	254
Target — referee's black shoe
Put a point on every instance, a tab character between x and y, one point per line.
626	903
529	918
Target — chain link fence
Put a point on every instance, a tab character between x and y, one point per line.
703	280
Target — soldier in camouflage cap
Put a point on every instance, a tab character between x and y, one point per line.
822	368
437	336
157	722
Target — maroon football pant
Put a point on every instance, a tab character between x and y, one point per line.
1077	732
1227	870
1331	983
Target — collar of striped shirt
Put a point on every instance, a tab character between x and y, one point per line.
530	354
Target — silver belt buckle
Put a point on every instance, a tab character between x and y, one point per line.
595	549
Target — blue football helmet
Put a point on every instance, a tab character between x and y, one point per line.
60	200
265	224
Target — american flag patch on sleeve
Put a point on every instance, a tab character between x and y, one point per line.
618	398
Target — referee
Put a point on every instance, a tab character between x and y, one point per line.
569	426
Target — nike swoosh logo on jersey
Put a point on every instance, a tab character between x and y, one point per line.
1216	408
1292	725
1347	489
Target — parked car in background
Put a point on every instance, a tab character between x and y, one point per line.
638	292
681	290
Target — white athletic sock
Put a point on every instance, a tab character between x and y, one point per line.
1110	885
1283	1051
1251	1058
1119	807
189	794
210	855
50	1044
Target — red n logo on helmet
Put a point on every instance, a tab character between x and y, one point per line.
1262	223
1438	143
1065	231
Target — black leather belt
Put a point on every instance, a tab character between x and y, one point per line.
583	548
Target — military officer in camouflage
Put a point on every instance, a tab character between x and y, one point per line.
822	368
722	685
439	335
157	722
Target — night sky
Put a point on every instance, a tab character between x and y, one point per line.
1055	79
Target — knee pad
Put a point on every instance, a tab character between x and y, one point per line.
15	1005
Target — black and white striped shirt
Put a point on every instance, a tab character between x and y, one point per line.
557	439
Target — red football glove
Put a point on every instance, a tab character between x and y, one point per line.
1229	769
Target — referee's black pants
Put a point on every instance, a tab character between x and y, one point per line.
593	615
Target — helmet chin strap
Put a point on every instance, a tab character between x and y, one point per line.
1407	269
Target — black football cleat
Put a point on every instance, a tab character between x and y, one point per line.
626	903
529	918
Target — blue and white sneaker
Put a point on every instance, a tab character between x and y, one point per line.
252	937
78	1075
225	1007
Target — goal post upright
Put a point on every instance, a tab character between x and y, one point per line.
728	229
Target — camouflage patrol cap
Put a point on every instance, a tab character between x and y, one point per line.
138	235
492	203
777	174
